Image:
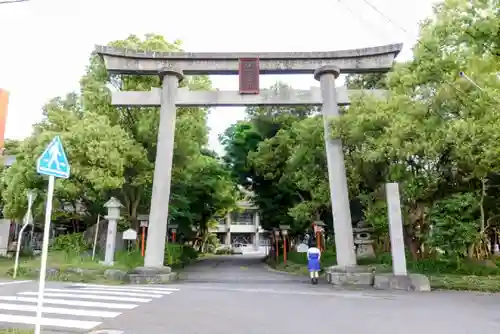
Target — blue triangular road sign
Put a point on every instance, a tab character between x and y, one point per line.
53	161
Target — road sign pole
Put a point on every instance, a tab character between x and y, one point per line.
96	235
45	250
53	163
31	197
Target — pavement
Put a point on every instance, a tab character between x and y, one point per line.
240	295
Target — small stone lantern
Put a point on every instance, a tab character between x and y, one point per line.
113	206
363	241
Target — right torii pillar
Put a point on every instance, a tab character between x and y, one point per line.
337	178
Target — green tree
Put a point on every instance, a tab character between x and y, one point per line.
258	162
437	133
112	150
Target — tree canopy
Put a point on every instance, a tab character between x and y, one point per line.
112	151
436	134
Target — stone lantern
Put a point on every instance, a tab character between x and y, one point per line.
113	206
363	240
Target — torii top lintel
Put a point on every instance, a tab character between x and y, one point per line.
125	61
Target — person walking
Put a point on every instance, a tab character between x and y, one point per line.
313	257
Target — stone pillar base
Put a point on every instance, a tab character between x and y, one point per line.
148	275
411	282
357	276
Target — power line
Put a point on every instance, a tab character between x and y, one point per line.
457	89
361	19
5	2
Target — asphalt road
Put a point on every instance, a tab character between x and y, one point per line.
238	294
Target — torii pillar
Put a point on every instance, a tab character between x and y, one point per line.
155	250
337	178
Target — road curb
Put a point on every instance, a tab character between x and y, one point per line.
271	269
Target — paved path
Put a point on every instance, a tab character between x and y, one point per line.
239	295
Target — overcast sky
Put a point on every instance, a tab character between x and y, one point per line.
46	43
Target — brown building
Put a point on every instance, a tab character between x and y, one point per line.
4	104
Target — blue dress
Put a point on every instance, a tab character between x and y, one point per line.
313	261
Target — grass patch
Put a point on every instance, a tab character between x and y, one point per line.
466	282
16	331
69	260
71	267
443	273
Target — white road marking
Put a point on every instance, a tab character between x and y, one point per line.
53	322
95	297
59	310
106	292
15	282
80	300
69	302
123	290
127	287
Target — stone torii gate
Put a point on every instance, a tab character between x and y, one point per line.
172	66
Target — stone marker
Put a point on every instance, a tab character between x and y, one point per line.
396	229
399	279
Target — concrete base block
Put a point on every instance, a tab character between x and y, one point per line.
412	282
420	282
360	276
145	275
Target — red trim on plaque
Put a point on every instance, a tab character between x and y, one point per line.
249	75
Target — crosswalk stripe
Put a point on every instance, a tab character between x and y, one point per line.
53	322
59	310
95	297
123	290
128	287
83	303
106	292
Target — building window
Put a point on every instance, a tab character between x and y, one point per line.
221	220
242	218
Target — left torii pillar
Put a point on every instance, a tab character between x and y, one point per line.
158	216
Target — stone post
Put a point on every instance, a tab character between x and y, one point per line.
396	229
228	229
257	227
113	206
337	178
157	230
399	279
